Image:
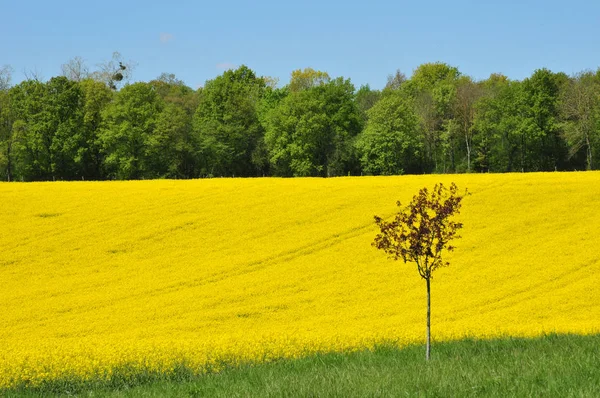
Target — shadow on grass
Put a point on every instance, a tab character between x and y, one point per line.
551	365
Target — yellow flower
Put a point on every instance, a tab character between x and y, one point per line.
106	277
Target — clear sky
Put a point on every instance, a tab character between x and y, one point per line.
364	41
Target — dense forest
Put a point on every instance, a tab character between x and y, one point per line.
95	126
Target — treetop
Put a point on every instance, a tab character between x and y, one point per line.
421	230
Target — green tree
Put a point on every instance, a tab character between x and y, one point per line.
227	123
32	133
129	124
5	137
271	100
390	143
64	118
433	86
365	100
429	75
307	79
48	137
311	132
174	148
6	121
518	124
496	125
96	97
420	233
580	105
542	146
467	94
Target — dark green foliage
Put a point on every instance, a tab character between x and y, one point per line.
365	100
549	366
468	93
227	123
310	132
97	96
497	122
127	133
6	137
519	127
32	136
580	110
541	146
86	126
47	128
433	88
65	118
390	143
174	148
272	98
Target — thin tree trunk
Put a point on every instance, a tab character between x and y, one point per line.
468	154
452	158
9	165
522	153
467	131
589	152
428	348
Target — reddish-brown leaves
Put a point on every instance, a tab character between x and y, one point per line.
421	230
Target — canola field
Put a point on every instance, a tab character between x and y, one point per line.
151	275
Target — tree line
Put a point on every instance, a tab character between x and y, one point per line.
91	126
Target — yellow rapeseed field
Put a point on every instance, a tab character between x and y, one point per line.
146	275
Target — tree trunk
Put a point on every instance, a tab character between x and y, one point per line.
589	152
522	153
9	165
428	347
468	154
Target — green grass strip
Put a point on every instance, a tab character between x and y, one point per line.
549	366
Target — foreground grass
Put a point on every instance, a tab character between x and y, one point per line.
553	365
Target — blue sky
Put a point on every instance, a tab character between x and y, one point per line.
364	41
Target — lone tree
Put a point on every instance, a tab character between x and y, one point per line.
420	232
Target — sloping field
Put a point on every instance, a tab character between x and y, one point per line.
146	275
